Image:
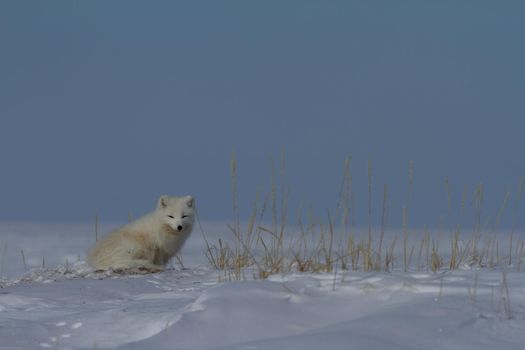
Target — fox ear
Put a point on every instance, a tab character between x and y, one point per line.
189	201
163	201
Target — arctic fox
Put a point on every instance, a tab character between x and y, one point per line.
148	243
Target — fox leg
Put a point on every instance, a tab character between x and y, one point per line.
139	266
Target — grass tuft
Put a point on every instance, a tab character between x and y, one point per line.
265	246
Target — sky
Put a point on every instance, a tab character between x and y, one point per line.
106	105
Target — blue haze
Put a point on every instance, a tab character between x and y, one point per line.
104	105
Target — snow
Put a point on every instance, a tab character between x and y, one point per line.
68	306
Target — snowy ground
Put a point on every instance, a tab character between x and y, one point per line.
70	307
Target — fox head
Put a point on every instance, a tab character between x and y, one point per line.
176	212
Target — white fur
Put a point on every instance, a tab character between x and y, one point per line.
148	243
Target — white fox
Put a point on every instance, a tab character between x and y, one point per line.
148	243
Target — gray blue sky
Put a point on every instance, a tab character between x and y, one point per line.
104	105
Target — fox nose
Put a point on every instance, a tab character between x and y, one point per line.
179	228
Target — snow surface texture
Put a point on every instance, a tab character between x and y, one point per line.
71	307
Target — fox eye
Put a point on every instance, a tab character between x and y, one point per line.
184	216
171	216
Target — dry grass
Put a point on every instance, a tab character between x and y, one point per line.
96	226
2	259
265	246
505	296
